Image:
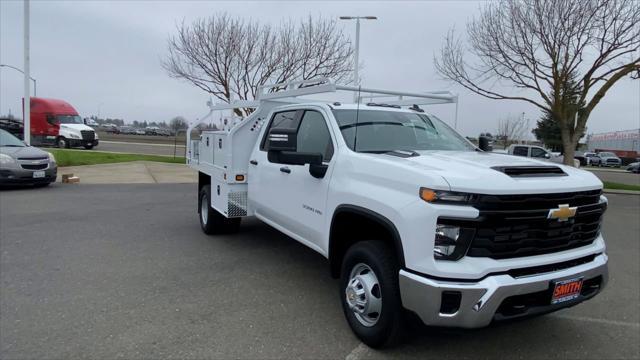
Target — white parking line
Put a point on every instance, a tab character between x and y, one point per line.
599	321
358	352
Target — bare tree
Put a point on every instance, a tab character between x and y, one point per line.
178	123
231	58
511	129
538	45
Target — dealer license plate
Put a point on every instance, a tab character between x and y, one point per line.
566	290
38	174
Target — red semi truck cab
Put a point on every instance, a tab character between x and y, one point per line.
56	122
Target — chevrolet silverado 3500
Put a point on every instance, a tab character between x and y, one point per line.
414	220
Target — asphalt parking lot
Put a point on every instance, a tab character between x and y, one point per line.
123	271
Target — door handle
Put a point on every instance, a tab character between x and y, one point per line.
285	169
253	162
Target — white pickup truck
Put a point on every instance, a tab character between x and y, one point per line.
414	220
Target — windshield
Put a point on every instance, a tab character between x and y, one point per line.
607	154
69	119
6	139
383	131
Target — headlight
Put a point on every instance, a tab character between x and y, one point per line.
451	241
74	136
95	135
52	158
6	159
429	195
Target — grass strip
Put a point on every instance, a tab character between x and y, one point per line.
86	157
618	186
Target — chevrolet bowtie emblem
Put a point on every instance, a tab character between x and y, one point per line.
562	213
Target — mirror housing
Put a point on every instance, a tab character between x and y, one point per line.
547	156
484	143
282	140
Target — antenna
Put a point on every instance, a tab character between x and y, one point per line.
355	136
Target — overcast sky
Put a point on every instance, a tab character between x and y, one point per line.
104	56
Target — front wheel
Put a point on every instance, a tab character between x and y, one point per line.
211	221
62	143
370	293
88	147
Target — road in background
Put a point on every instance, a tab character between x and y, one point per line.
107	271
141	148
618	176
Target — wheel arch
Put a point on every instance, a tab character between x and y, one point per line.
375	225
203	180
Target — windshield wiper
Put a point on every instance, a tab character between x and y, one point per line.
12	145
400	153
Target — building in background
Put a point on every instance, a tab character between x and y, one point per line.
625	144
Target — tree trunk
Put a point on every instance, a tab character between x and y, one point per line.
569	152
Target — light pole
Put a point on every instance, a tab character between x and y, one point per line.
356	78
32	79
27	68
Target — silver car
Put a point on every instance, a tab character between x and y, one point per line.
21	164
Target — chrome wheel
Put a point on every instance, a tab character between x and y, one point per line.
363	295
204	209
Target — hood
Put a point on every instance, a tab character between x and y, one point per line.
77	127
23	152
473	172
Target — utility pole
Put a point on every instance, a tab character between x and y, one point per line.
356	58
27	91
35	93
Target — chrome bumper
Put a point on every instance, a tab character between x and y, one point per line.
480	301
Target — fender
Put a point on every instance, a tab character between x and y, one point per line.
378	218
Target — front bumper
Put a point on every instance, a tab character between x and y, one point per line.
17	176
81	142
496	297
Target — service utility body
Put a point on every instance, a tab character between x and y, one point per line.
416	222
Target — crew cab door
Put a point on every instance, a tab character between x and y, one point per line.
283	191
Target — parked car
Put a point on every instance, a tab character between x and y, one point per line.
592	159
24	164
13	126
151	130
634	167
127	130
609	159
163	132
538	152
140	132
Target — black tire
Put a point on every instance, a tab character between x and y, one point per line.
88	147
379	257
214	223
62	142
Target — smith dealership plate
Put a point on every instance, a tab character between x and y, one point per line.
566	290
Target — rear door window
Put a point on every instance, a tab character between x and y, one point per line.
521	151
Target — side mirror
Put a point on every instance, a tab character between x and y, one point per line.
282	140
484	143
547	156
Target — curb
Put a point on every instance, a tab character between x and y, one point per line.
625	192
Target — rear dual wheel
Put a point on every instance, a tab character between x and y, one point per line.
211	221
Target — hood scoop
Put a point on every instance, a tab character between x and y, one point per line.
530	171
